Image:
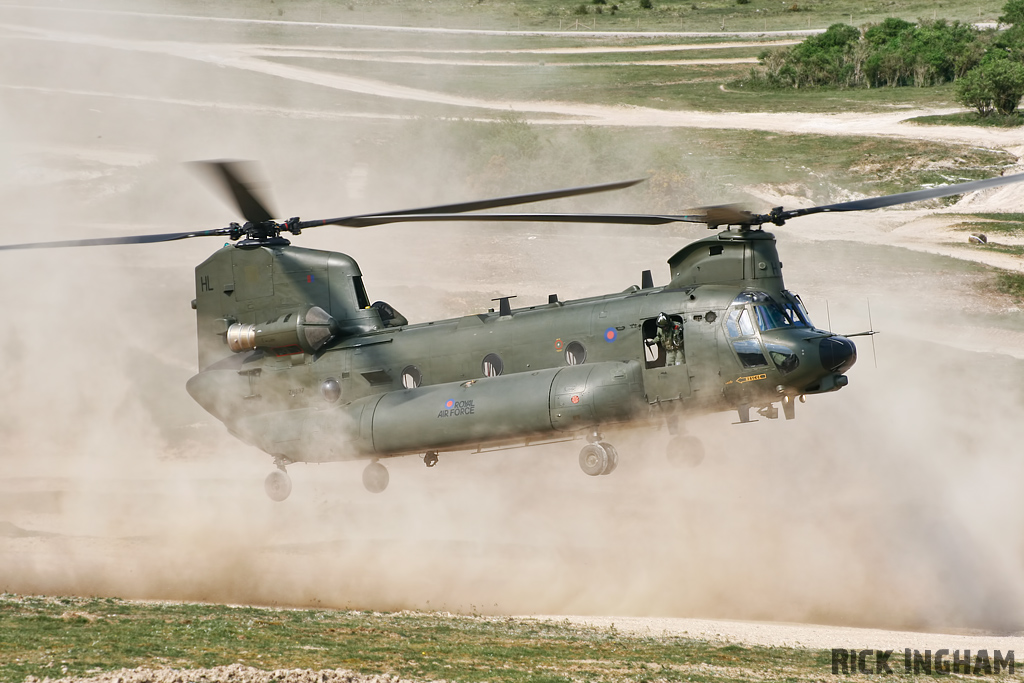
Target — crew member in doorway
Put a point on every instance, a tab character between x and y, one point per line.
670	335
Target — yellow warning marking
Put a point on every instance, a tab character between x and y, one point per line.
752	378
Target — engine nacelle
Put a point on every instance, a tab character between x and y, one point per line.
298	332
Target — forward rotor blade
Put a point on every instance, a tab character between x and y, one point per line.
907	197
231	175
128	239
628	219
366	220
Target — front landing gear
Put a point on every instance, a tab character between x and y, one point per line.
599	458
278	484
375	477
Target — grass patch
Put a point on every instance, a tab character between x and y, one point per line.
77	636
1002	223
588	78
970	118
1011	249
1010	284
1014	217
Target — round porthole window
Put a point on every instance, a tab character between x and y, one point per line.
711	316
492	365
411	377
575	353
330	389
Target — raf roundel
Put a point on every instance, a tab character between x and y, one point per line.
610	334
449	404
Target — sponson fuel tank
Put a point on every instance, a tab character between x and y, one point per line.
457	415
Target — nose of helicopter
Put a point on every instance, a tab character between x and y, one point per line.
838	354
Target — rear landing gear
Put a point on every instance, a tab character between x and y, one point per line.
278	484
375	477
685	451
599	458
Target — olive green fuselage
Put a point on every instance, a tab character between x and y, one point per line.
381	387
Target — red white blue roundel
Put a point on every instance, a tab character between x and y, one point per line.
449	404
610	334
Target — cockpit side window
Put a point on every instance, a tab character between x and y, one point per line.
740	328
783	357
749	352
738	323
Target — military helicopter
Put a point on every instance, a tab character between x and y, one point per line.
295	360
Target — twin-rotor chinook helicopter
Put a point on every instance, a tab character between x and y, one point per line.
296	360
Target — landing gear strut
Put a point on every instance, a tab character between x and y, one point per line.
278	484
789	407
375	477
598	457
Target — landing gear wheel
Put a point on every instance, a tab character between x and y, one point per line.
685	451
278	485
594	459
375	477
613	457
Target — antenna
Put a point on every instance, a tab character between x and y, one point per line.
871	326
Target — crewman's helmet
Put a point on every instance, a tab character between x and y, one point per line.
662	320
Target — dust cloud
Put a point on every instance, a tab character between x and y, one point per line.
892	503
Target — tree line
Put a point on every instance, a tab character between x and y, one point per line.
986	66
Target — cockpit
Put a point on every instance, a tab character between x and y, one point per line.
759	309
767	313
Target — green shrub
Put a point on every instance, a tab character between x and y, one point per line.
646	4
1013	13
892	53
972	90
997	85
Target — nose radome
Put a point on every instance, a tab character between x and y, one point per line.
838	354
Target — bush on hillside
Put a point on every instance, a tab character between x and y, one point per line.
892	53
995	86
1013	13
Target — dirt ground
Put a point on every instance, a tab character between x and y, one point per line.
892	504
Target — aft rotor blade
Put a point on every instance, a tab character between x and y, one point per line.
366	220
907	197
128	239
232	177
622	218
